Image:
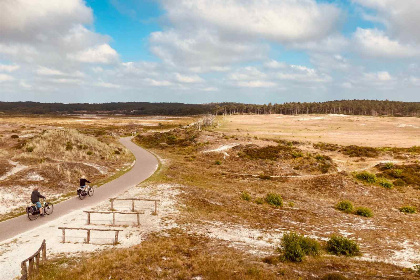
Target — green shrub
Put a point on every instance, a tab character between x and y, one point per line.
294	247
218	162
366	176
345	206
246	196
333	276
385	183
363	211
397	173
259	200
340	245
117	152
389	165
274	199
399	182
30	149
297	154
14	136
357	151
408	209
69	146
89	153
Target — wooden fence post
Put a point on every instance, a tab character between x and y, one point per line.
64	235
138	219
116	237
132	205
31	268
24	271
112	204
113	218
44	251
88	218
155	213
37	262
88	236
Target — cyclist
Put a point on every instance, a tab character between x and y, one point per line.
83	182
35	196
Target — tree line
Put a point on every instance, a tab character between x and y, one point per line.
347	107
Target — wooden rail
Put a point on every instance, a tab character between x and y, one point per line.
132	202
113	215
88	233
33	262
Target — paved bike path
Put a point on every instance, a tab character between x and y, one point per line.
145	165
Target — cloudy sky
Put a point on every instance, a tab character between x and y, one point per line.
199	51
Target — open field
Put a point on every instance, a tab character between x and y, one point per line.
231	219
338	129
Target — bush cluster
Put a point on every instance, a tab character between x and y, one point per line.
366	176
340	245
295	247
363	211
274	199
357	151
401	174
408	209
246	196
345	206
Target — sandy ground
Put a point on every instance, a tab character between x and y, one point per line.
15	250
338	129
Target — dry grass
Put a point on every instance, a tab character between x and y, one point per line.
343	130
177	255
213	187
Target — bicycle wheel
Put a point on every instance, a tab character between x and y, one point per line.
91	191
31	214
82	195
49	208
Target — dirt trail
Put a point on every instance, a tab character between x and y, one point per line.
145	165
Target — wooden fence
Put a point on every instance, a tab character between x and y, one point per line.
88	233
113	215
33	262
132	202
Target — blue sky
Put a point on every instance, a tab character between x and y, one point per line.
253	51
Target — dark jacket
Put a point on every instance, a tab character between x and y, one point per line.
35	196
83	182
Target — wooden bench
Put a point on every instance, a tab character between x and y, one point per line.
113	215
132	202
88	233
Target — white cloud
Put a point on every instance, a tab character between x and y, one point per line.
383	76
274	64
28	20
401	17
188	79
98	54
157	83
106	85
8	67
48	71
256	84
203	48
373	42
6	78
282	21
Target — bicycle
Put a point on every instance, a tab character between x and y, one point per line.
33	211
86	191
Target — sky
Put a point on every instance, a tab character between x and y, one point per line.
201	51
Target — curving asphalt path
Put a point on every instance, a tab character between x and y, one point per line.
145	165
